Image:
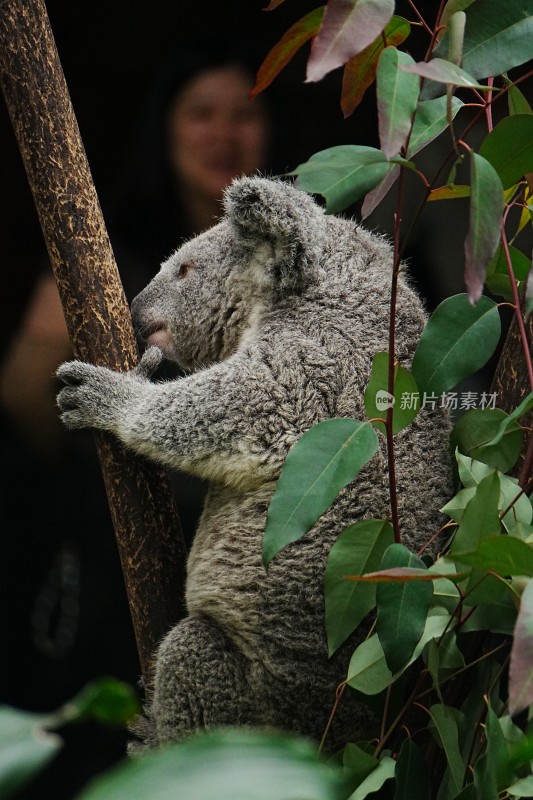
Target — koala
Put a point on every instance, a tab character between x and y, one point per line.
274	314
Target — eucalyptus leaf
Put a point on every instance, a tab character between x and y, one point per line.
405	400
342	174
474	431
360	71
383	772
431	119
368	672
505	555
25	748
227	765
497	617
443	71
483	237
402	609
520	672
448	737
282	52
411	773
498	36
358	762
509	148
507	423
397	97
516	100
358	549
480	518
458	339
323	461
346	30
471	472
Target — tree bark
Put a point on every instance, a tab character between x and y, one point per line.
98	319
511	385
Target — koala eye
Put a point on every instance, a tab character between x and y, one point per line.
184	269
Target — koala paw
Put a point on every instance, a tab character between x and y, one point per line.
92	396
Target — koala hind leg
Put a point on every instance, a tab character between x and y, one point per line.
201	681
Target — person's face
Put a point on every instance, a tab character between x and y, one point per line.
215	133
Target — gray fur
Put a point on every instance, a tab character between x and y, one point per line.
277	314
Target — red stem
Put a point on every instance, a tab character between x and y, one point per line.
392	346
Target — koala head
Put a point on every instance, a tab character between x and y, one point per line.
266	248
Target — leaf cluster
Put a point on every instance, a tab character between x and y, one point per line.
447	661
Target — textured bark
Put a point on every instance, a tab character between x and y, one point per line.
146	525
511	384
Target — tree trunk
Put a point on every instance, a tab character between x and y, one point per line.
511	384
98	319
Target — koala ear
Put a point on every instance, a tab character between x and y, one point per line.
272	212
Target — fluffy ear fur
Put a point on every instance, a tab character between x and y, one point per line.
271	212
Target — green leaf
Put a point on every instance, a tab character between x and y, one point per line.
480	518
107	700
402	609
497	277
397	97
323	461
518	518
342	174
471	472
443	658
405	400
430	121
520	672
346	30
505	555
383	772
358	762
25	748
525	406
458	339
522	788
483	237
360	71
509	148
455	507
448	737
368	672
497	617
285	49
443	71
476	428
498	36
411	773
359	549
227	765
490	771
516	101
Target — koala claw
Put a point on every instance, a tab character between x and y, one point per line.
150	361
73	373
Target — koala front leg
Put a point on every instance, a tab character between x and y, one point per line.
227	422
201	681
97	397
